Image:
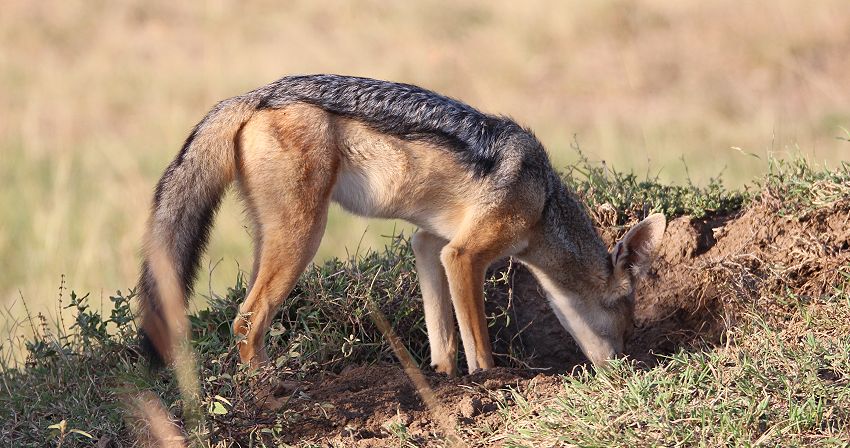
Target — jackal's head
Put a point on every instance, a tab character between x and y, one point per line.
597	305
630	260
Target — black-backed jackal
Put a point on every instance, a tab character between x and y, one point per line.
479	187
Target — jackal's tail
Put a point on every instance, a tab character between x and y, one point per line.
186	199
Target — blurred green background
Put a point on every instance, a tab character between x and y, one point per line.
97	96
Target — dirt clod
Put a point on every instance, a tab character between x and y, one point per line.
469	406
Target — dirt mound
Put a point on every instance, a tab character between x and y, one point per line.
363	405
706	271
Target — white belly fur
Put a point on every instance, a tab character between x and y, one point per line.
384	177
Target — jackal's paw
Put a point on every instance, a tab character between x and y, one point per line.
447	369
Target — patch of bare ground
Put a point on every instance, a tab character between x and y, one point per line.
707	272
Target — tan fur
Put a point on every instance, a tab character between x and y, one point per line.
292	161
382	176
288	165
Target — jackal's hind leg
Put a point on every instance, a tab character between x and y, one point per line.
287	171
282	260
439	316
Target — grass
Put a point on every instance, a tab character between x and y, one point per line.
770	385
799	188
779	378
604	188
324	326
98	97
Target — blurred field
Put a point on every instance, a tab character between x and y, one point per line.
98	96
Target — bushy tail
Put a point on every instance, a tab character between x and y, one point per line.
186	199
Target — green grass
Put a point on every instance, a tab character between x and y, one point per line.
797	188
324	325
779	378
769	385
632	197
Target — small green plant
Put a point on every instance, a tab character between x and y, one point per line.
90	324
796	187
598	184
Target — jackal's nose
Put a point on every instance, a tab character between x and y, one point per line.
603	355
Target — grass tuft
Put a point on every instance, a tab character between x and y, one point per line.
605	189
796	186
778	386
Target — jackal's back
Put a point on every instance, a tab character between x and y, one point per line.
401	110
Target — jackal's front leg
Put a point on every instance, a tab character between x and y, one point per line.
465	273
439	317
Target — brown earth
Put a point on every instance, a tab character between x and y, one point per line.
706	271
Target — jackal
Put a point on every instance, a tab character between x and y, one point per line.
478	186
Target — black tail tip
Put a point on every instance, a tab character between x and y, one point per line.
154	359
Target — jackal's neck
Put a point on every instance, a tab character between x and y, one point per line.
570	250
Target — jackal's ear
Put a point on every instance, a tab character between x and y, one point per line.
633	254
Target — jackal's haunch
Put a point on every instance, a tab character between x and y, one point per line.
478	186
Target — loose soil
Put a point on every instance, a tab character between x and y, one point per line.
705	272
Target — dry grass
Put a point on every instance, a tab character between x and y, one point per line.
97	97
